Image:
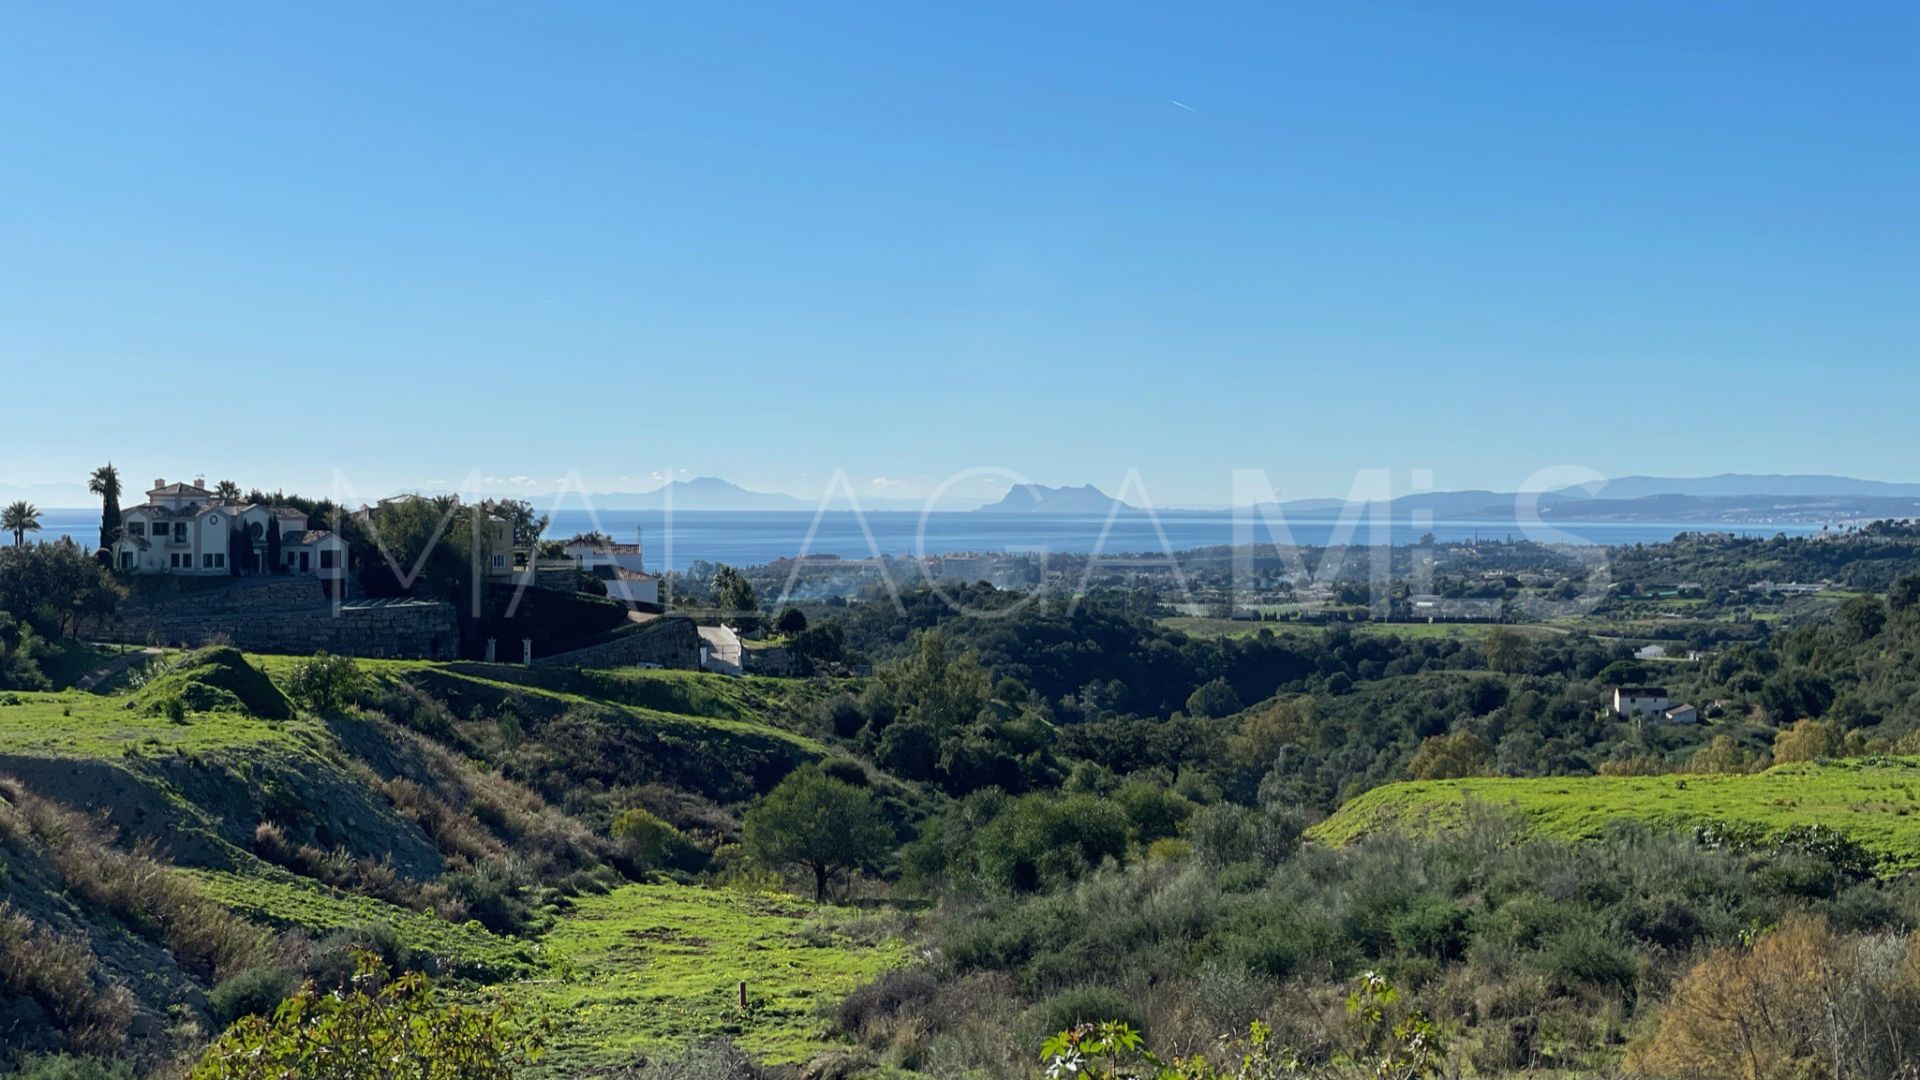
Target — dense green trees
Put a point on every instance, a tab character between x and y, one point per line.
55	587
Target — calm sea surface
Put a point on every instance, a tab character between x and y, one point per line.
746	538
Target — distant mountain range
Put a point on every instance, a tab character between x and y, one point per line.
713	493
1040	499
1728	498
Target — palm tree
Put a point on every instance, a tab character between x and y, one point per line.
105	482
227	491
20	518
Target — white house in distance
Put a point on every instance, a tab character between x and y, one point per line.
621	567
186	529
1641	701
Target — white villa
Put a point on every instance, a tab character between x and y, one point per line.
1641	701
621	567
186	529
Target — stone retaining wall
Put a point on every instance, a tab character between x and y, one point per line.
289	615
669	641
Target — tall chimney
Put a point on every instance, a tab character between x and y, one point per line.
199	481
159	481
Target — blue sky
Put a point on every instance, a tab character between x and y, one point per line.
769	241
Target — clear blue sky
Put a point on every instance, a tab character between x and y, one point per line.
765	241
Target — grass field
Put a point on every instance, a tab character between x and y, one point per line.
654	966
284	900
1873	801
73	724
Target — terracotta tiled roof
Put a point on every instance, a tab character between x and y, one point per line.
180	489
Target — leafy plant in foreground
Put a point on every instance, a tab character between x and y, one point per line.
378	1029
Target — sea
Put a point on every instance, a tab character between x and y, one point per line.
754	537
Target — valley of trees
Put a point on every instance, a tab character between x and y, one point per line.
1088	833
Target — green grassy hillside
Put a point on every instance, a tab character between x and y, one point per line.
1875	802
425	820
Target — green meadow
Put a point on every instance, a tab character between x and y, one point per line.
1875	802
649	967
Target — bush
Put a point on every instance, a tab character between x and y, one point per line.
326	683
874	1008
254	992
1585	955
1079	1005
71	1067
1800	1001
1431	926
645	840
1225	834
353	1035
1041	840
718	1060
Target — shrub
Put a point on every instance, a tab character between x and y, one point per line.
326	683
644	839
380	1029
1224	834
873	1009
1042	839
1431	926
1584	954
718	1060
1800	1001
494	893
841	715
254	992
71	1067
1079	1005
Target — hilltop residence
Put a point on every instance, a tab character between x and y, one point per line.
186	529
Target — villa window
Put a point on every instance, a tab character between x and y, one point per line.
329	559
137	528
179	532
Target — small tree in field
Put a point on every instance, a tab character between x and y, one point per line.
325	683
813	821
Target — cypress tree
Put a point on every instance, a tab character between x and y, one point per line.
105	483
